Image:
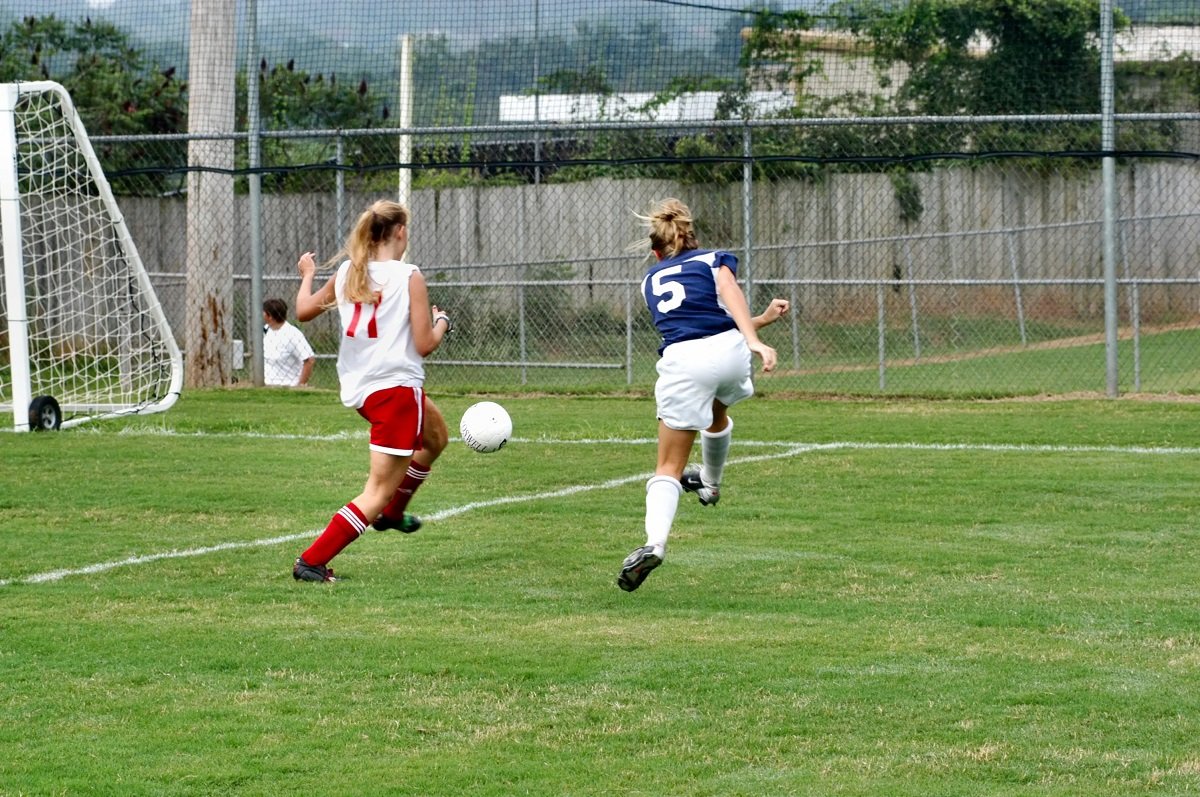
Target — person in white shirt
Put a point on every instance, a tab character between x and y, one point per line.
388	327
287	356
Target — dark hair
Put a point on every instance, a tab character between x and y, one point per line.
276	309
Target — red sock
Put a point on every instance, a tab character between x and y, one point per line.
414	478
342	530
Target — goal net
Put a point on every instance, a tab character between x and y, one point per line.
82	333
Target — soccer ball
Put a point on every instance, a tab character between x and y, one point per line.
485	427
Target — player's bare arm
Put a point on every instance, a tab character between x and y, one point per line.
427	331
775	309
309	305
735	302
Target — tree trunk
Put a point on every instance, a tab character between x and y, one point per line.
210	208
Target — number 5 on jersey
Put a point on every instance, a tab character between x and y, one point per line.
670	292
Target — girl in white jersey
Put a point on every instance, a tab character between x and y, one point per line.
388	327
708	337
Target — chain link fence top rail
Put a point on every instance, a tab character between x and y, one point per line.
934	214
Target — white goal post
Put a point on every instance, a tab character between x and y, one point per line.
82	333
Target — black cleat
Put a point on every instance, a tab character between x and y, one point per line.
692	483
636	567
303	571
407	524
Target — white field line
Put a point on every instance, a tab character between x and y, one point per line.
790	450
999	447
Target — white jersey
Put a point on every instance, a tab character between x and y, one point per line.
284	352
377	349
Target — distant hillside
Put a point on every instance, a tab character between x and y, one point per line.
636	44
368	23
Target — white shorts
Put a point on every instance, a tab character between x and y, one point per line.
693	373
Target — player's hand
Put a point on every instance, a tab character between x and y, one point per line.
439	314
307	264
775	309
766	353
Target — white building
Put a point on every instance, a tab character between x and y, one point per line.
633	106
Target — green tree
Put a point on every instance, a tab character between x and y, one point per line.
291	99
115	90
591	80
777	50
986	56
958	58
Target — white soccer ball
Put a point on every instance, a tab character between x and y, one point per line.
485	427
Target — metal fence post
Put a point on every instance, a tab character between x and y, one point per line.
1108	170
912	299
1135	309
254	326
879	303
794	298
747	215
339	201
1135	318
404	183
629	334
521	331
1016	274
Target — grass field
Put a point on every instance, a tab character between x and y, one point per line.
893	598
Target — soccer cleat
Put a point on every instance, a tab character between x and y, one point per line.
636	567
303	571
407	524
692	482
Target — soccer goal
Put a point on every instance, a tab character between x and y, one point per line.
82	333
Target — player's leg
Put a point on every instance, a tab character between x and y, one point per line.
663	489
395	415
714	451
732	360
662	501
351	520
435	436
683	395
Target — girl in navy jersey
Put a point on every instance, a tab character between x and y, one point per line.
708	339
388	327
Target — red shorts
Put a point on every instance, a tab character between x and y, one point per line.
397	416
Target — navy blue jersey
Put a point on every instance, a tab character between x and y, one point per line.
681	293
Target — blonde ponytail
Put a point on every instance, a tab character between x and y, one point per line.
669	224
376	224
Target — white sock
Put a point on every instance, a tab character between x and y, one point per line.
714	450
662	499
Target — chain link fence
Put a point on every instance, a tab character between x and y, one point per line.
908	273
932	201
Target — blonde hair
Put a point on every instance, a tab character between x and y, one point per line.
376	224
670	228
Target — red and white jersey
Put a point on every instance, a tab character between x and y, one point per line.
377	349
